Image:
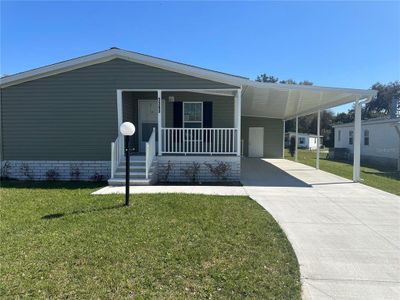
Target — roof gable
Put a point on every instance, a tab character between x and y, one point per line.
114	53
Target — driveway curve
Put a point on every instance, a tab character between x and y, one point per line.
346	235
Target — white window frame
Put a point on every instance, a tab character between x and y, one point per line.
351	137
366	136
339	135
183	113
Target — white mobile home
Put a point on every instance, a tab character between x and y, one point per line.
380	141
305	140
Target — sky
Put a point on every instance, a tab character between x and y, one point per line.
340	44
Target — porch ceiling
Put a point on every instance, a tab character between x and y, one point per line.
283	101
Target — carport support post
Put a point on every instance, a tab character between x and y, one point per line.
237	120
318	139
283	139
357	141
296	143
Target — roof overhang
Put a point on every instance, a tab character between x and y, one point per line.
280	101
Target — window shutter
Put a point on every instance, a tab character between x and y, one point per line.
178	111
207	114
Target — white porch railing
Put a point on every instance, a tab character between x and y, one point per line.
116	154
199	140
150	151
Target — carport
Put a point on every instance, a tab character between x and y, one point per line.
288	101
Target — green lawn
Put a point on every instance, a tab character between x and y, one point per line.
58	241
387	181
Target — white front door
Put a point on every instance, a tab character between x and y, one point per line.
256	141
147	119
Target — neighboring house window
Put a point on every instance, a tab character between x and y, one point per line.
366	137
351	137
193	114
339	133
302	140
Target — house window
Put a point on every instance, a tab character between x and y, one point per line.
351	137
366	137
302	140
339	135
193	114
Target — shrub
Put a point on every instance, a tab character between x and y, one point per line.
166	171
52	174
219	170
74	172
292	146
98	177
6	170
192	171
26	171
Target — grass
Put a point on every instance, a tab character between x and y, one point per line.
386	181
58	241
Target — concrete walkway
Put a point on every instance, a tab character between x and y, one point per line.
185	189
346	235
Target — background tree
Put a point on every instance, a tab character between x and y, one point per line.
267	78
381	105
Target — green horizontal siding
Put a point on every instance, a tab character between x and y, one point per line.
223	107
273	135
73	115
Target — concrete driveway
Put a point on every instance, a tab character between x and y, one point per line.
346	235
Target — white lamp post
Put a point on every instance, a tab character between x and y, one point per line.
127	129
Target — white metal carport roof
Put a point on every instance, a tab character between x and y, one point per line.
286	101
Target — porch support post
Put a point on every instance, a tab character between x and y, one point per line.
318	139
297	139
283	138
119	120
238	115
159	97
357	141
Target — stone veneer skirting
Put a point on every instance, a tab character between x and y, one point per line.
37	169
178	165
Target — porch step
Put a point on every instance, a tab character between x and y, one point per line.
137	172
131	174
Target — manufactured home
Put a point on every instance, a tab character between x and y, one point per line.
380	142
304	140
62	120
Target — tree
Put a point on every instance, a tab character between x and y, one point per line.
289	81
381	105
306	82
267	78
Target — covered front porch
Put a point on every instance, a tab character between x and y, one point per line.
197	122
